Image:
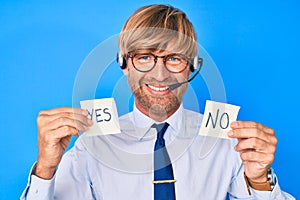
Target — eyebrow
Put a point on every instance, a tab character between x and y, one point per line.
154	51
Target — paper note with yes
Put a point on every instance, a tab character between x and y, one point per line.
104	114
217	119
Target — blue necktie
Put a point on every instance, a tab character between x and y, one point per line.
164	188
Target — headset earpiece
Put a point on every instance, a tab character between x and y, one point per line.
196	64
121	61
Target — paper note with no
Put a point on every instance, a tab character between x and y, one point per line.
103	112
217	119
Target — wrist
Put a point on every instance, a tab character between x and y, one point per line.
43	171
262	184
261	179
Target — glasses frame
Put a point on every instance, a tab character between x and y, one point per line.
132	55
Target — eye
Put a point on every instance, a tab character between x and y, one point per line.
174	59
143	58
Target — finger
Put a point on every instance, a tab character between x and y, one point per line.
259	157
73	116
249	124
64	110
65	121
65	142
252	133
255	144
62	132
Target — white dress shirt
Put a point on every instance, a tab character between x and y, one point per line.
120	166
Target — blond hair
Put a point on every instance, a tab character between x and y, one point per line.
158	27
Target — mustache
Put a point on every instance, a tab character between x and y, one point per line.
167	81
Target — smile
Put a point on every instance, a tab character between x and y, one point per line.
158	89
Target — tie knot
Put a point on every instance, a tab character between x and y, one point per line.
161	129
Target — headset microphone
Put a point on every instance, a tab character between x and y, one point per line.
176	85
197	61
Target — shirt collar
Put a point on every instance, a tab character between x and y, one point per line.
143	123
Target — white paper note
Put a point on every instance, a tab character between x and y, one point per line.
104	114
217	119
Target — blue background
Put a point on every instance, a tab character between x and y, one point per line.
255	45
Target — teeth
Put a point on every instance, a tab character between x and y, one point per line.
158	88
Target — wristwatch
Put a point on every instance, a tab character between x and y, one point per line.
262	186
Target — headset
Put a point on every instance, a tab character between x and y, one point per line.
195	65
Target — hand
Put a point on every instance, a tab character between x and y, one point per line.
256	145
55	129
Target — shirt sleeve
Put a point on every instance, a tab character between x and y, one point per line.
38	188
240	185
71	180
276	193
238	189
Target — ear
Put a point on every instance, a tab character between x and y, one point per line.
125	71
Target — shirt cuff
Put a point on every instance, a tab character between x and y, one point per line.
276	193
38	188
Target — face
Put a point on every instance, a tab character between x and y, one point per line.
151	89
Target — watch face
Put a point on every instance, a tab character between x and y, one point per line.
271	177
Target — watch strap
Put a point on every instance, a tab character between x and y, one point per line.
261	186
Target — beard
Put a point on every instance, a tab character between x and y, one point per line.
159	106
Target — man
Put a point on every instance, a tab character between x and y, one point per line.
158	50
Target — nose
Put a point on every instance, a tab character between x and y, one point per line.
160	71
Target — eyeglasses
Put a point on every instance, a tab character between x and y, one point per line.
145	62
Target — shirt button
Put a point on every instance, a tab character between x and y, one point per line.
36	191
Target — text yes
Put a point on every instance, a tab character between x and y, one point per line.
99	114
